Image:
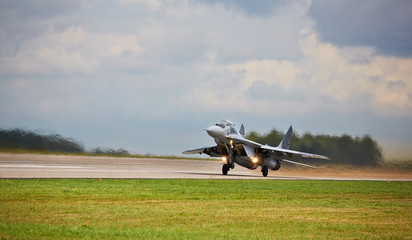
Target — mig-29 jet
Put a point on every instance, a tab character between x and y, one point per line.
233	147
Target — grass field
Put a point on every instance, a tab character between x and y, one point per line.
204	209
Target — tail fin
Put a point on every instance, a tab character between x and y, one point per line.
242	130
285	143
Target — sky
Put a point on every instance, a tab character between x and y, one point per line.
149	75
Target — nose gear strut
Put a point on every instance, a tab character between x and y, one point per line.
230	160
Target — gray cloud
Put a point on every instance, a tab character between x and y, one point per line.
23	20
384	25
254	8
38	9
260	90
396	84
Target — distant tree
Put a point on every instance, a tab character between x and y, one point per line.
110	151
345	149
29	140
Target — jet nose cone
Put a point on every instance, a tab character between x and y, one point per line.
215	131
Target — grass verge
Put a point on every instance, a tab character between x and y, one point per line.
204	209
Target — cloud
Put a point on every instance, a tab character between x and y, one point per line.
215	30
262	8
39	9
260	90
325	78
22	21
384	25
152	4
70	51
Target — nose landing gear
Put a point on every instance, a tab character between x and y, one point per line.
265	171
225	169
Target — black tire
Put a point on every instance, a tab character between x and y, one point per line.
265	171
225	169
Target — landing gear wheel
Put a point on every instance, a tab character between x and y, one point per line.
265	171
225	169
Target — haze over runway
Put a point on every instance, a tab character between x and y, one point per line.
148	75
65	166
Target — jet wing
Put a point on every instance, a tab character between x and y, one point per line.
293	154
211	151
242	140
194	151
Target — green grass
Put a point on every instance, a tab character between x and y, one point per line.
204	209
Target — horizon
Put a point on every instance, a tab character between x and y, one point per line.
79	142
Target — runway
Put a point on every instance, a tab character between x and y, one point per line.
66	166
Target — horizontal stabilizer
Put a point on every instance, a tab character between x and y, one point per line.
294	153
298	163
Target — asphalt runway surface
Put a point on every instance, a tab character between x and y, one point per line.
66	166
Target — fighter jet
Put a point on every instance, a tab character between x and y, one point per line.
234	148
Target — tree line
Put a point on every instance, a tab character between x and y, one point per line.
35	141
21	139
345	149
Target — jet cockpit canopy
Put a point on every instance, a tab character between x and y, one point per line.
225	123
